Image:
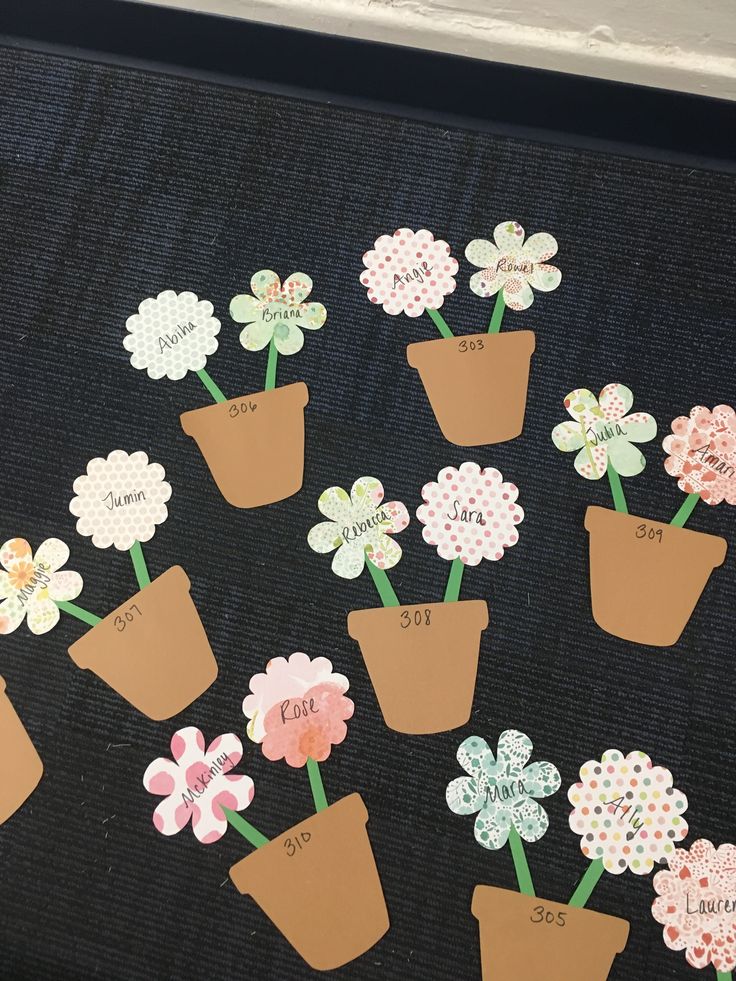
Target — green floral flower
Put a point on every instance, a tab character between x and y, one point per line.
276	311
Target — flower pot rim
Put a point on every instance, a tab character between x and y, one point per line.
355	617
594	516
528	338
298	388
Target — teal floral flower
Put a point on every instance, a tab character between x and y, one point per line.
501	790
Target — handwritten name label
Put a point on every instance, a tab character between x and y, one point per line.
202	780
542	915
167	341
121	621
38	579
465	514
466	345
112	501
714	462
618	805
505	791
604	432
299	709
361	527
416	275
710	907
295	844
509	265
419	619
280	313
649	533
241	408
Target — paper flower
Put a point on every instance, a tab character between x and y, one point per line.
172	334
30	584
276	311
702	452
470	514
502	790
359	526
603	432
120	499
409	272
286	679
298	709
696	904
512	265
627	812
198	784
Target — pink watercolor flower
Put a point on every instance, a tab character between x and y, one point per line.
310	725
409	272
696	904
702	452
286	679
470	514
197	784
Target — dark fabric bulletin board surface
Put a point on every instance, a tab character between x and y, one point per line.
117	183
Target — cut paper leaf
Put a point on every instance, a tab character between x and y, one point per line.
702	453
470	514
298	709
696	904
604	433
153	649
513	266
359	527
120	499
627	812
529	938
20	753
409	272
502	790
30	584
319	884
276	312
171	334
197	784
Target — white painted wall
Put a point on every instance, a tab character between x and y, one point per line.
688	45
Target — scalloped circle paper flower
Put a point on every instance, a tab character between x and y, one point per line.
171	334
120	499
603	432
197	784
359	527
470	514
502	790
627	812
702	452
276	311
696	904
513	265
409	272
30	583
298	709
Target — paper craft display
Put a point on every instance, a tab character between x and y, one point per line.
696	905
646	576
152	649
422	659
477	383
20	755
252	444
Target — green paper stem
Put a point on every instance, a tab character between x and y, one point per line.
139	564
440	322
498	311
382	584
619	498
587	884
724	975
523	875
273	357
76	611
452	591
246	829
315	782
688	505
211	386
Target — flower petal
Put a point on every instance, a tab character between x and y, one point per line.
582	405
313	316
296	288
517	294
255	336
334	503
541	779
568	436
508	236
324	537
366	491
172	814
5	588
626	459
12	614
43	613
383	552
348	562
486	283
265	285
545	278
591	461
15	550
640	427
463	796
226	744
482	253
65	585
288	338
244	308
492	827
187	745
473	755
539	247
52	554
398	520
615	400
514	750
161	777
530	820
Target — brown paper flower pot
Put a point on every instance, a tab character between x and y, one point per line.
22	762
476	384
645	576
530	939
318	884
422	661
153	649
253	445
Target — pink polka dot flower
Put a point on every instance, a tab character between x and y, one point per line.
702	455
409	272
198	785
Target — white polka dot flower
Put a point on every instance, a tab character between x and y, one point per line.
409	272
627	812
120	499
511	266
276	312
171	334
30	584
359	527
